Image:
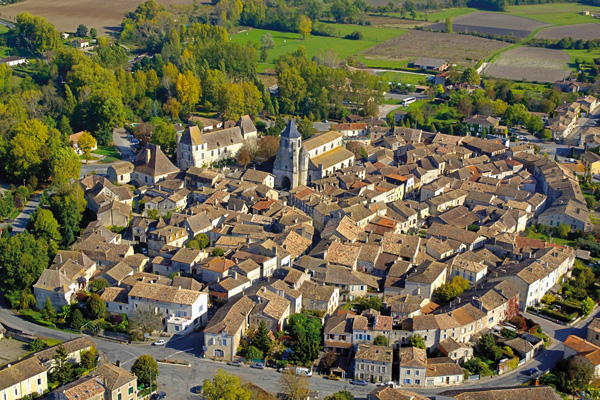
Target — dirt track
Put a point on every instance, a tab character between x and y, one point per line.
66	15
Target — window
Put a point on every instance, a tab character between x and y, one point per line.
130	389
417	381
408	372
224	342
176	329
417	372
119	396
39	381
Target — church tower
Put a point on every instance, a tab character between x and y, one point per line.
287	162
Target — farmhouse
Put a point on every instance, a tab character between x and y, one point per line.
13	61
80	43
433	64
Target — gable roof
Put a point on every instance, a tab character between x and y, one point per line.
152	161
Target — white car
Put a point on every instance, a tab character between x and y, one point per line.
160	342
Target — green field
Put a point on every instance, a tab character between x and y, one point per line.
382	64
450	12
403	77
556	13
3	29
583	55
288	42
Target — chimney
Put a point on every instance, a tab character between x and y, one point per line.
148	154
118	363
179	288
235	276
259	300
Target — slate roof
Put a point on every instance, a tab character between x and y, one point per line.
290	131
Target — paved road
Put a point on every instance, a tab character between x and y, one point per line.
22	219
123	145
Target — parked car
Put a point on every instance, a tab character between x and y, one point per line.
159	396
359	382
160	342
531	371
258	366
283	370
235	364
197	389
334	377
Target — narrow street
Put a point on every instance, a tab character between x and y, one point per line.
22	219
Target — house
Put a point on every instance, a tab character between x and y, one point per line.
425	279
168	235
223	333
443	371
481	123
73	347
373	363
23	378
504	393
58	287
230	287
432	64
151	166
412	366
181	309
74	139
457	351
387	392
593	332
13	61
107	382
80	43
319	298
120	172
271	308
583	352
591	161
116	300
572	213
351	131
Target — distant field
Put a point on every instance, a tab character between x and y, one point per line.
463	50
583	55
493	24
531	64
287	42
403	77
66	15
450	12
576	32
556	13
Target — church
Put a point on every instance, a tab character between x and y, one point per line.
299	163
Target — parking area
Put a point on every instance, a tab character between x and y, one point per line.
11	350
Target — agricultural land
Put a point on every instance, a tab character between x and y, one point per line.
532	64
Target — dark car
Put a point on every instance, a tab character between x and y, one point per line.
197	389
359	382
159	396
235	364
531	371
258	366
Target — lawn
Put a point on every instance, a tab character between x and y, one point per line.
550	239
584	56
405	78
106	151
3	29
451	12
555	13
288	42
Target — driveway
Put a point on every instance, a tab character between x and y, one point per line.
123	145
22	219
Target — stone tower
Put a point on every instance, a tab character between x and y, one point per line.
288	169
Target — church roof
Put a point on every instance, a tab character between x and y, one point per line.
290	131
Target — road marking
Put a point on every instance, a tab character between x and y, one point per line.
180	351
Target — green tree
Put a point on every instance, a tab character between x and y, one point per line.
546	134
62	370
86	144
45	226
93	33
304	26
146	369
164	135
416	341
77	319
81	31
89	359
380	341
37	345
67	206
306	128
563	230
98	284
341	395
261	339
535	124
587	305
23	258
35	33
252	353
448	25
26	299
267	42
471	77
96	306
224	386
64	165
217	252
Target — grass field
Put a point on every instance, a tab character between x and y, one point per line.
382	63
583	55
403	77
3	29
287	42
450	12
555	13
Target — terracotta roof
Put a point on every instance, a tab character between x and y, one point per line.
72	346
389	393
411	357
164	293
507	393
369	352
114	377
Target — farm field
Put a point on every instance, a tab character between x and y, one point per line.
556	13
463	50
531	64
288	42
66	15
403	77
493	24
576	32
583	55
450	12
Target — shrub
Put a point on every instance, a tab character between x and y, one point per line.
37	345
355	35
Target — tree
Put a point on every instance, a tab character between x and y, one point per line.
261	339
535	124
268	146
37	345
64	166
45	226
306	128
380	341
252	353
217	252
89	359
294	386
188	90
164	135
587	305
449	291
448	25
471	77
546	134
200	241
35	33
86	144
328	360
62	369
304	26
98	284
245	156
96	306
81	31
563	230
267	42
146	369
341	395
23	258
93	33
26	299
416	341
77	319
487	346
145	320
224	386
